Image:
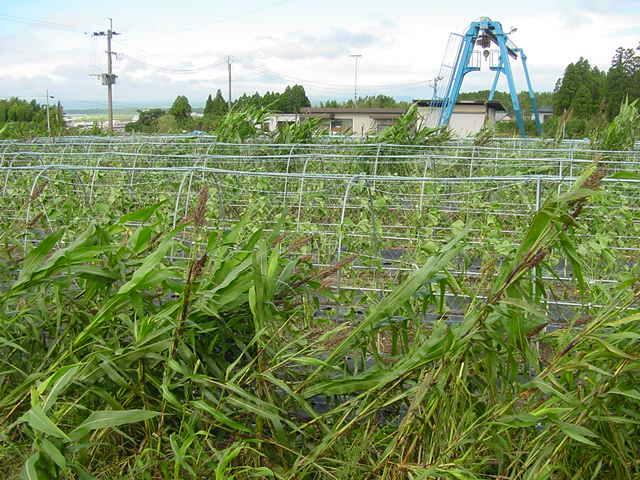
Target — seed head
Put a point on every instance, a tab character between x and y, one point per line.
201	207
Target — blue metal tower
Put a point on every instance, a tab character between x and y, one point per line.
485	33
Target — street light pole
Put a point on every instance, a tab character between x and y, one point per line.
47	96
356	58
48	121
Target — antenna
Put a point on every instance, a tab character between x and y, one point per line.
356	57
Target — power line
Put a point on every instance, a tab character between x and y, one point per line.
246	13
42	23
172	69
328	85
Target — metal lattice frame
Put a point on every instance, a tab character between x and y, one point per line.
387	206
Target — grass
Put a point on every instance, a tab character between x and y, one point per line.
120	364
145	346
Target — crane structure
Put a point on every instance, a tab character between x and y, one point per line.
484	33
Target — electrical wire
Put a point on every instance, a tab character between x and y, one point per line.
316	84
244	14
171	69
43	23
328	85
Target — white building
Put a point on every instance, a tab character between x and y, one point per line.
276	120
341	121
468	116
354	121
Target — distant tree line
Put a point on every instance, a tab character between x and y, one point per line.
22	118
180	116
587	98
374	101
290	101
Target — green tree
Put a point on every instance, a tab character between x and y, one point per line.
168	124
290	101
297	99
582	104
623	80
147	121
216	107
208	106
28	118
615	90
181	109
575	76
374	101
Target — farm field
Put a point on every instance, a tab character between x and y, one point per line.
176	306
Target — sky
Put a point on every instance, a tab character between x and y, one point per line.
169	47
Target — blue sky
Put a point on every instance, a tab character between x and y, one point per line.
170	47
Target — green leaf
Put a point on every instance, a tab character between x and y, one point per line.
110	419
625	176
110	305
38	254
53	453
29	471
141	215
578	433
38	420
82	473
615	351
548	389
629	393
219	416
148	266
61	379
228	455
519	420
401	294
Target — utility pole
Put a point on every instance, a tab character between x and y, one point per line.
48	120
356	57
229	68
109	78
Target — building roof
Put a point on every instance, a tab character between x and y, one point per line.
362	111
283	115
545	109
495	105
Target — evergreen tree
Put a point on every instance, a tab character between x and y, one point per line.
616	89
623	79
181	109
208	106
219	105
216	107
28	118
292	100
582	104
577	75
298	98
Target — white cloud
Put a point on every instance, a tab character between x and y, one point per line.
402	48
